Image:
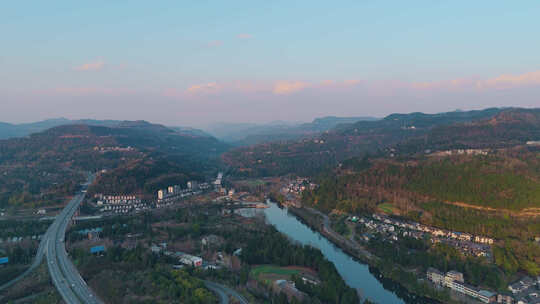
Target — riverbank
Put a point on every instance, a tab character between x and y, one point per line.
320	223
392	276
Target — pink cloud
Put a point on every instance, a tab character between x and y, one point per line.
376	88
204	88
288	87
352	82
83	91
507	81
452	84
91	66
244	36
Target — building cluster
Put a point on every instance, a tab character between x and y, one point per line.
113	149
297	186
120	203
460	152
526	291
289	289
185	259
394	229
454	280
18	239
219	188
176	192
92	233
218	180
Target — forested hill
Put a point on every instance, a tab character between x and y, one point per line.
43	167
399	133
503	179
24	129
505	129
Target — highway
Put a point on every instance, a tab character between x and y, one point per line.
64	275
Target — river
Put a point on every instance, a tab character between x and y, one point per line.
356	274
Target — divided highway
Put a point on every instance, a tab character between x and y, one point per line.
65	276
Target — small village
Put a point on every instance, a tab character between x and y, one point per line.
393	229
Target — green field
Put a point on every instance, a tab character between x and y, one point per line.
268	269
386	208
253	182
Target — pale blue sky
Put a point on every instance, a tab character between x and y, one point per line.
250	60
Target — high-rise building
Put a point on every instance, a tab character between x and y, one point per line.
161	194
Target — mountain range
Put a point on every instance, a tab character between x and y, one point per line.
396	134
245	134
8	130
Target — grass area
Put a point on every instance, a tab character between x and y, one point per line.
386	208
269	269
269	274
253	182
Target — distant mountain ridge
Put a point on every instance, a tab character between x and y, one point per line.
400	133
8	130
243	134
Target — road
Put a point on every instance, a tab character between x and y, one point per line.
37	261
338	237
224	292
64	275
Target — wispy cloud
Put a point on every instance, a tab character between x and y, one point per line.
355	86
507	81
204	88
244	36
288	87
91	66
84	91
501	82
452	84
282	87
214	43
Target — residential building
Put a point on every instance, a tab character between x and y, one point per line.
161	194
435	276
521	285
454	280
453	275
191	260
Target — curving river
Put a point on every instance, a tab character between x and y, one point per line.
356	274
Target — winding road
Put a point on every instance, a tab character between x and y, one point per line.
37	261
224	292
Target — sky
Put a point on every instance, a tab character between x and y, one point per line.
192	63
